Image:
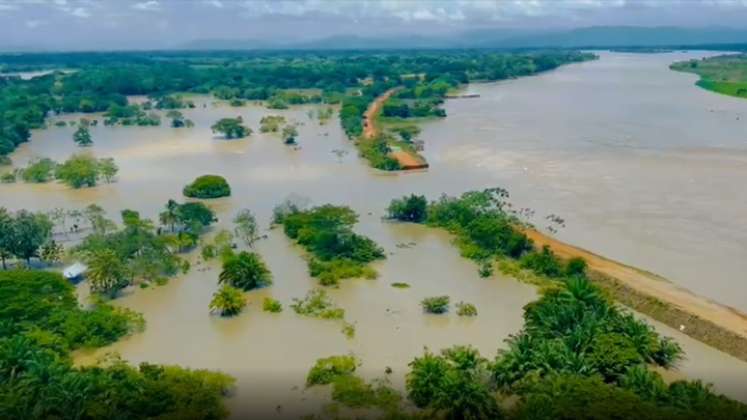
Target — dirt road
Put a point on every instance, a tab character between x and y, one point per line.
369	117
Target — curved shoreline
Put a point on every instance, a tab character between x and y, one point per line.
720	326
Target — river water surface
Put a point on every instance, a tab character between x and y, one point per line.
644	166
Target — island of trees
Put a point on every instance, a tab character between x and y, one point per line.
208	186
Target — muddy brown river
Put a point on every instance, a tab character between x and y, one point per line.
644	167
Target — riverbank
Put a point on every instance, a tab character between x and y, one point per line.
719	326
724	74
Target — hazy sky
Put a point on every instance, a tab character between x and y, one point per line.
85	24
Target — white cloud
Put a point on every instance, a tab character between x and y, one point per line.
7	7
80	12
215	3
150	5
32	24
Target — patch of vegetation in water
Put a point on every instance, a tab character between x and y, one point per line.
436	304
466	309
228	301
317	304
328	369
208	186
245	271
272	305
400	285
326	233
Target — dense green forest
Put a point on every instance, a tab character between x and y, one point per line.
726	74
101	82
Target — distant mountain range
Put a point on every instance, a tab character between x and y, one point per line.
589	37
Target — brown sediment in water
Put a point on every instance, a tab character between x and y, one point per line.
720	326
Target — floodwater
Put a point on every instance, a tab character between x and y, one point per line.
643	166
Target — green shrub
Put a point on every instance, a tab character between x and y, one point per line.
409	209
208	186
272	305
39	171
80	171
400	285
348	329
466	309
544	262
575	266
436	304
231	128
317	304
326	232
328	369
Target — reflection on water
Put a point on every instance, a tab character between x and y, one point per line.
641	164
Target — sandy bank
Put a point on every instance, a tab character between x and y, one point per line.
720	326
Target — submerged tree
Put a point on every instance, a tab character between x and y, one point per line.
289	134
228	301
246	227
82	136
107	274
231	128
246	271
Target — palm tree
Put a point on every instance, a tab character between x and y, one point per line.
228	301
246	271
170	216
106	272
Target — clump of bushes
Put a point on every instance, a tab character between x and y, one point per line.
326	233
409	209
231	128
272	305
271	123
228	301
376	151
400	285
436	304
466	309
327	369
39	170
317	304
208	186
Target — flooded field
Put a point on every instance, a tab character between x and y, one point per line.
643	165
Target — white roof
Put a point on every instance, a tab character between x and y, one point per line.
75	270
